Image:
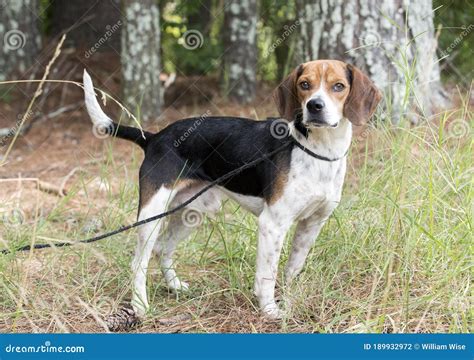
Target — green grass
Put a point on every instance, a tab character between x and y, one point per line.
396	256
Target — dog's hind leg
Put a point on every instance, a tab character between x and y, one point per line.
147	235
181	225
165	247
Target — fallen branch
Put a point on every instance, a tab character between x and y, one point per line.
51	189
51	115
57	190
67	177
175	319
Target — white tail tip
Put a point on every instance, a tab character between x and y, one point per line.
96	114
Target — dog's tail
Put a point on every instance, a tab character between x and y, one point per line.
105	126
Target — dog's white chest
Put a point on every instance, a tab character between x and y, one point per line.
313	185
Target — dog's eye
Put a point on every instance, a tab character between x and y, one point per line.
338	87
304	85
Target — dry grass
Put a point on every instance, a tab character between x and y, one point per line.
395	257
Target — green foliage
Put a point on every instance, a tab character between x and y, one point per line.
200	61
45	15
205	19
6	95
276	17
455	19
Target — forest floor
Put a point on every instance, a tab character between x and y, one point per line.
394	257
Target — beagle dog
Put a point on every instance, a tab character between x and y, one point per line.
319	100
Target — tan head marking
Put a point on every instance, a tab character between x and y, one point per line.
325	91
363	97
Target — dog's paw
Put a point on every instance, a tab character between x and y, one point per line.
272	312
177	285
139	307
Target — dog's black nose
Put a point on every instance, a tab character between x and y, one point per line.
315	105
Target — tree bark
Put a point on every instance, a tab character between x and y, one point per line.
87	21
393	41
141	58
19	35
240	54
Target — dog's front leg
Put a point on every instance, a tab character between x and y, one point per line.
306	233
272	228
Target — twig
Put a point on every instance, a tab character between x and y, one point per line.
60	111
51	115
51	188
67	177
48	86
175	319
54	189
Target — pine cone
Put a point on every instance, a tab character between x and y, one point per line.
123	319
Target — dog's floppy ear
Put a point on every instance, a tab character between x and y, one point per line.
363	98
285	95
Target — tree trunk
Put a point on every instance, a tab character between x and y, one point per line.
393	41
19	35
141	58
240	54
87	23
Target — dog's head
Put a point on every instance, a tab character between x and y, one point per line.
324	92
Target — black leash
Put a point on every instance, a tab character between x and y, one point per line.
182	205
